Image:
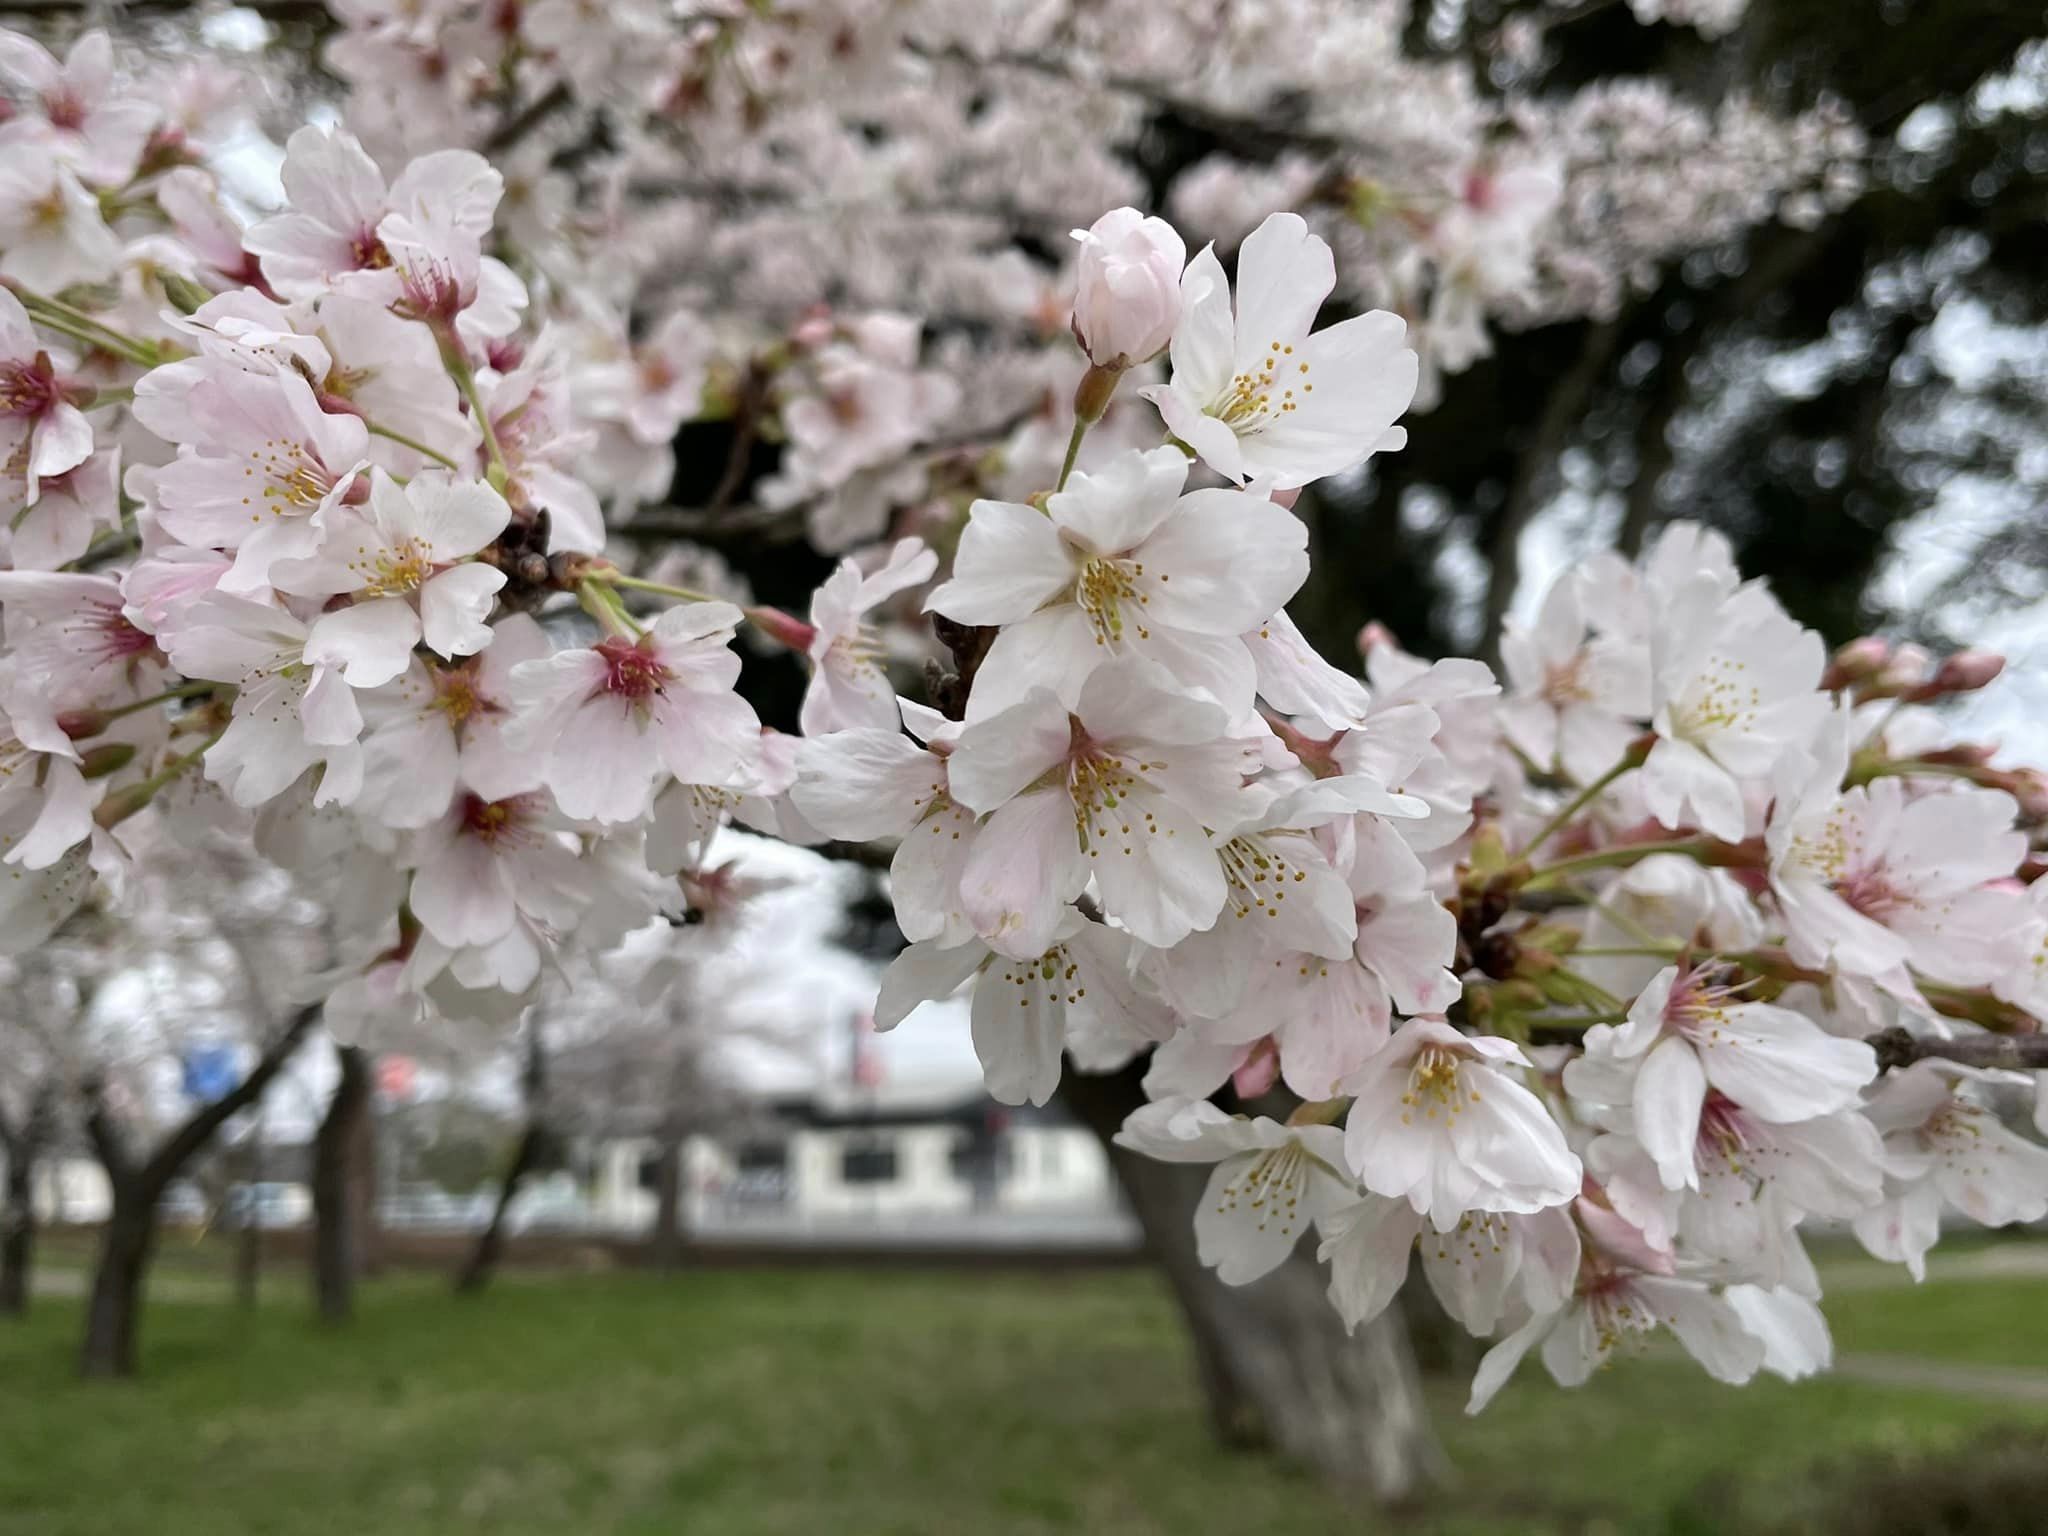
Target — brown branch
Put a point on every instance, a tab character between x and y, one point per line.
1898	1048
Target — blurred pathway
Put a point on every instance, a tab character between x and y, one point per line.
2003	1383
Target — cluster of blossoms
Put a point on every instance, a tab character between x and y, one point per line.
1574	980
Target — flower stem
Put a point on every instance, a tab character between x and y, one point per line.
1630	759
640	584
1609	858
185	691
1660	951
456	361
413	443
71	321
602	604
1073	452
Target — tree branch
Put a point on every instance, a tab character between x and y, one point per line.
195	1132
1898	1048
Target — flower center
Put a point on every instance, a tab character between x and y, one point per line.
1105	585
294	480
1720	700
28	388
1269	1187
631	672
394	571
1263	391
1258	875
498	823
1436	1083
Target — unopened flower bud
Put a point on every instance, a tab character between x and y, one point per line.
1127	297
2029	786
782	627
108	757
1862	657
185	295
1967	671
1909	665
1373	636
78	724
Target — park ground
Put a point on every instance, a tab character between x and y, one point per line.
918	1403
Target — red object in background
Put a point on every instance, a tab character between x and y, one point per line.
396	1076
867	1061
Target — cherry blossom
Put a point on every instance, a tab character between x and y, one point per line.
1259	397
1121	563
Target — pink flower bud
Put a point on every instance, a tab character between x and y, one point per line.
1967	671
1909	664
1127	298
1373	636
1864	655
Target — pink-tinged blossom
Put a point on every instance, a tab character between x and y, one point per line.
849	687
289	715
1259	397
1750	1180
1874	881
1272	1181
1123	790
1024	1010
486	865
328	236
1943	1148
1437	1119
1687	1034
82	117
46	803
1122	564
436	725
609	721
69	510
1735	688
1476	1269
71	639
1614	1304
52	234
404	562
1127	288
262	468
1575	689
43	432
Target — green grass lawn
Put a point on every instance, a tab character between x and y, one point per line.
844	1404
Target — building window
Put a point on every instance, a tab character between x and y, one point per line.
868	1163
763	1157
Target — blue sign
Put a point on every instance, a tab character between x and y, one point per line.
211	1072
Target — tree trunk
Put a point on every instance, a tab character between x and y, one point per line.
18	1204
337	1172
1274	1361
665	1243
116	1303
490	1244
112	1317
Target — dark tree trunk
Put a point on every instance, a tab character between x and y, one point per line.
112	1317
1275	1364
665	1243
338	1169
112	1313
490	1244
18	1206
